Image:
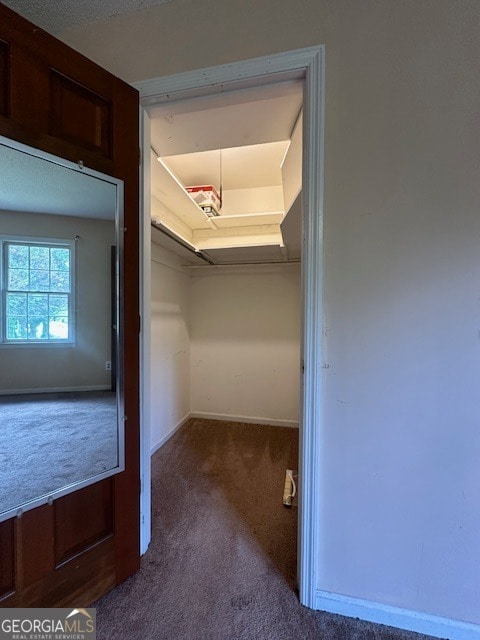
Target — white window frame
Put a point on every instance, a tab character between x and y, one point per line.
37	241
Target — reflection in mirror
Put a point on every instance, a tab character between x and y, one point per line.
59	327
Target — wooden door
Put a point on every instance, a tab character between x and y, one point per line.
52	98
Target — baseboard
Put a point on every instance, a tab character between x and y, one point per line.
163	440
12	392
396	617
248	419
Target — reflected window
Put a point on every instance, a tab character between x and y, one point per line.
38	286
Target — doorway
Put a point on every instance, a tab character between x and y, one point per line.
306	66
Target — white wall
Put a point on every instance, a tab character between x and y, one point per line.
246	342
170	345
225	343
68	367
400	486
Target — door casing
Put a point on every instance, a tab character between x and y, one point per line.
309	65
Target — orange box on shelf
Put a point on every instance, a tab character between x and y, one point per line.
205	196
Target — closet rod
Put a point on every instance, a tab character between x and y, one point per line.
183	244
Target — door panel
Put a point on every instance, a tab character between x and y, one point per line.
34	534
7	558
54	99
83	579
96	502
80	116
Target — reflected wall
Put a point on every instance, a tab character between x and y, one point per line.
81	365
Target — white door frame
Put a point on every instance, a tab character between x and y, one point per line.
307	64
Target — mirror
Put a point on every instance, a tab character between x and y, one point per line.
61	401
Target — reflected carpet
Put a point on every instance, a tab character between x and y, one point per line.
49	441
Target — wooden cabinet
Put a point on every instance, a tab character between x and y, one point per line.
54	99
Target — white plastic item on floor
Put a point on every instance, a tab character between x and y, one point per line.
289	488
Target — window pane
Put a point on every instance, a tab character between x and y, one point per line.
38	305
44	271
18	256
39	280
58	328
59	281
39	258
16	304
60	259
58	305
16	328
37	328
18	279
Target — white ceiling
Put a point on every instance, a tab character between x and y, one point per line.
56	16
32	184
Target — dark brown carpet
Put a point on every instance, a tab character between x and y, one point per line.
221	565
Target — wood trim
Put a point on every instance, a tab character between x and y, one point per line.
418	621
127	485
145	342
49	144
313	327
225	417
287	65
